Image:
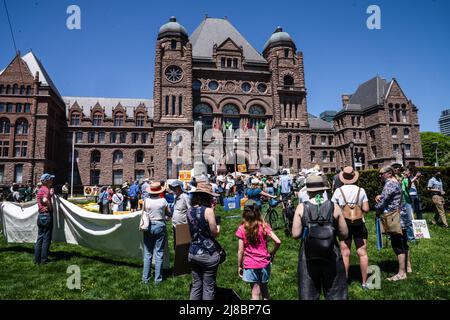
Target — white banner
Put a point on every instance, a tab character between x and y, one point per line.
114	234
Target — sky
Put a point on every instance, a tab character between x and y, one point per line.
112	55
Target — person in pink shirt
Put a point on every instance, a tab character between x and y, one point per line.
254	259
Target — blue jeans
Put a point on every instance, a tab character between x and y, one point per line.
42	246
406	216
154	238
417	206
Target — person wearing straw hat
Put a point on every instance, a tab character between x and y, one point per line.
204	256
353	199
320	266
155	237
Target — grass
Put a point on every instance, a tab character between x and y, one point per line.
107	277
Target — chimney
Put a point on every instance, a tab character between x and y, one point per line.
345	99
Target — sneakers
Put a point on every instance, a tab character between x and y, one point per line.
364	286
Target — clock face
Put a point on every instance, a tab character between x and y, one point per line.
174	73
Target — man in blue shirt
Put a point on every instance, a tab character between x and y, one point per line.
133	193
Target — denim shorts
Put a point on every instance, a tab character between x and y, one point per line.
257	275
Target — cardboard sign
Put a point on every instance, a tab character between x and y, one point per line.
242	168
183	238
421	229
185	175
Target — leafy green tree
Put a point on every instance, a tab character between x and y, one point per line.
428	149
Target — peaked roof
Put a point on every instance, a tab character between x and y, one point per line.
319	124
87	103
34	65
215	31
370	93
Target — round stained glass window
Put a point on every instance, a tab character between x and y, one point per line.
246	87
213	85
262	88
174	73
196	85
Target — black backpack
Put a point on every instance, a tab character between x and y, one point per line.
319	236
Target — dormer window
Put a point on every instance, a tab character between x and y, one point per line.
229	63
75	119
140	120
173	44
118	120
97	119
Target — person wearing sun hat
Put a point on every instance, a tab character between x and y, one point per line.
320	265
350	196
204	256
155	237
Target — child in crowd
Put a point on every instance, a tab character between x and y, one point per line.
254	259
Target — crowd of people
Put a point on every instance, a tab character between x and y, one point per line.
327	224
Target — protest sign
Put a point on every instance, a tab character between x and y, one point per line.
421	229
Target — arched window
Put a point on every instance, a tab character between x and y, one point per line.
324	156
117	157
257	110
118	119
372	135
394	132
169	140
231	116
2	89
22	89
8	89
139	156
28	90
140	120
22	126
313	156
297	142
97	119
288	80
75	118
230	109
5	126
289	141
15	89
331	156
96	156
406	133
202	109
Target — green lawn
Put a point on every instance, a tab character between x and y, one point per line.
107	277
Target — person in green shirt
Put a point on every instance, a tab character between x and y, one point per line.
28	192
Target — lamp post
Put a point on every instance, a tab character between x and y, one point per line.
352	148
435	145
235	142
402	147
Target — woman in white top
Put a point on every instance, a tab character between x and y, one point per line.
155	237
117	200
348	197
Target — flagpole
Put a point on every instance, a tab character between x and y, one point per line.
73	160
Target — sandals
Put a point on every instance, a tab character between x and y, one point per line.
397	277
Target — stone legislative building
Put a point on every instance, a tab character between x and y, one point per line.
212	75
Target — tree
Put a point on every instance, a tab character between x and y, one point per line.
428	149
